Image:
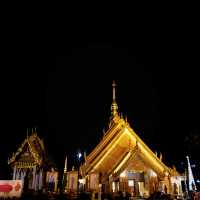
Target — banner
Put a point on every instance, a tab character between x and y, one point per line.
11	188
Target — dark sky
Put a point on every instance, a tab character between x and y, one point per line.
68	98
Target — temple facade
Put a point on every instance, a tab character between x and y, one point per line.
122	162
30	163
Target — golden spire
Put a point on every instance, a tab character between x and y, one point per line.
160	156
114	106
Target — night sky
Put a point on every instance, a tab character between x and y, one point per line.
68	99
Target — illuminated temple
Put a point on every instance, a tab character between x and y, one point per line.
122	162
30	163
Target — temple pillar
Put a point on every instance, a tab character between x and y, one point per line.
17	174
55	185
100	191
24	173
14	172
146	184
40	179
170	185
36	181
137	192
30	178
34	173
180	189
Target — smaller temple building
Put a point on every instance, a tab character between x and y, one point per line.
31	164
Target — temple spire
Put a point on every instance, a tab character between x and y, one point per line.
114	106
191	182
65	168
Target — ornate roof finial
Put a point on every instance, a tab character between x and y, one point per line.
114	106
126	119
160	156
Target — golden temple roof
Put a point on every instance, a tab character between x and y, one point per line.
34	145
119	147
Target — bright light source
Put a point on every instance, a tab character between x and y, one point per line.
130	183
82	181
79	155
123	174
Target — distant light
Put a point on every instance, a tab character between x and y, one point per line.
193	166
198	181
79	155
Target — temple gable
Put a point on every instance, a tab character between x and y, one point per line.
122	162
31	164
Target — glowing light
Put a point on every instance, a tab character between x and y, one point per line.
121	164
82	181
146	151
79	155
123	174
111	145
166	173
113	186
152	173
130	183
